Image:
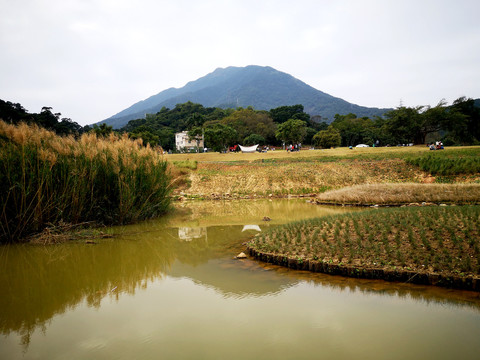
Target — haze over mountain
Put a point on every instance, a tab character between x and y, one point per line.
264	88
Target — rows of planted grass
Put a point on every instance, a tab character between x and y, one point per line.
47	179
444	240
447	163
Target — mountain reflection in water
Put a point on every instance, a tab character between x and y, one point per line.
198	242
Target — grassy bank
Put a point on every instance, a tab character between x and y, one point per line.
443	241
46	179
278	173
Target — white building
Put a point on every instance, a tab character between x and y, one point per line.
183	144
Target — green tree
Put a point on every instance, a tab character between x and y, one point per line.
12	113
67	126
352	130
196	133
469	131
47	118
254	139
403	124
415	124
184	117
248	121
166	138
282	114
218	136
102	130
328	138
292	131
147	137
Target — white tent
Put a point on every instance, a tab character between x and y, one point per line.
248	149
251	227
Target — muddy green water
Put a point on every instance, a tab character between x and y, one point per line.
170	289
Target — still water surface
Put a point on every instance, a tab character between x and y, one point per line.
170	289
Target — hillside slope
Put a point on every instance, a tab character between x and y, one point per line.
264	88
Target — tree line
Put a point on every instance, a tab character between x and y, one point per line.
457	124
14	113
222	128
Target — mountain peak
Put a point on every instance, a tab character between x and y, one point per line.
262	87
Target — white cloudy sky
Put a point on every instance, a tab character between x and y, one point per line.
90	59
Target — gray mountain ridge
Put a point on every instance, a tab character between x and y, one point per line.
261	87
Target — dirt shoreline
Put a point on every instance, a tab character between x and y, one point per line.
314	201
395	275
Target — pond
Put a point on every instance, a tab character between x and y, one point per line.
171	289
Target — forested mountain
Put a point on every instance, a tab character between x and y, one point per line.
263	88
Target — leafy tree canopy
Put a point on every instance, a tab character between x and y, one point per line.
284	113
354	130
254	139
219	136
167	122
292	131
328	138
248	121
406	124
15	113
103	130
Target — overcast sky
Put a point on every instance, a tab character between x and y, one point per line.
89	59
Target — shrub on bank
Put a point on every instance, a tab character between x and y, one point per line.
45	179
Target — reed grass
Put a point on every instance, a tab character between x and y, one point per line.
47	179
442	240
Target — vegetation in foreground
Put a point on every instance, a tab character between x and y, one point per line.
437	240
46	179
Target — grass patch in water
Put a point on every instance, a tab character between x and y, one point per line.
441	240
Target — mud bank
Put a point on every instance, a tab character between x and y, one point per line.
396	275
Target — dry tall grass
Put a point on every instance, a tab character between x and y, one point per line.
45	178
403	194
283	178
312	171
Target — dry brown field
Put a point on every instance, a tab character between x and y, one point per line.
310	173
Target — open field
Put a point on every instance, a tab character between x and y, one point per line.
281	173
